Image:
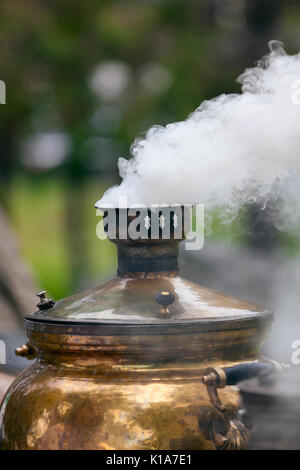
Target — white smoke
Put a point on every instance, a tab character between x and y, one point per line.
234	149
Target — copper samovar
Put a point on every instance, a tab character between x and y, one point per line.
146	361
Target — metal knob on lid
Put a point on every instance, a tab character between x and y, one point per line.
44	303
165	298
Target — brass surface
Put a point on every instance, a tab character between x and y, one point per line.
55	407
126	392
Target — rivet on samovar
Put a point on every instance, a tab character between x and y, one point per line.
26	350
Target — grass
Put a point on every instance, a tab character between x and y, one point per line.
38	211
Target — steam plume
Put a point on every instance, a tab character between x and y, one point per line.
234	149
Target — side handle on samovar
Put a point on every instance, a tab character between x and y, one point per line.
236	431
216	377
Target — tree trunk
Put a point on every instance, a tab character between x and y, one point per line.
17	288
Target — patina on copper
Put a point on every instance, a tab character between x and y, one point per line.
115	372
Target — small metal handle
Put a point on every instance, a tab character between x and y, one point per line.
165	298
44	303
236	431
214	378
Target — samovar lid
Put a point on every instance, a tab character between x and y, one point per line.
148	291
140	299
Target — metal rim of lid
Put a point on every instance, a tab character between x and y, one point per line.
103	328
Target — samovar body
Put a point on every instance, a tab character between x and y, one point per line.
121	366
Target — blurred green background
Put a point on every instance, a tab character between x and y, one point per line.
83	80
